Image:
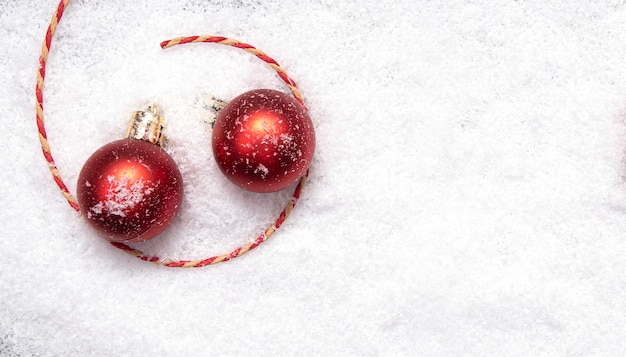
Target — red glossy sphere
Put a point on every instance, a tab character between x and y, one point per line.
130	190
263	140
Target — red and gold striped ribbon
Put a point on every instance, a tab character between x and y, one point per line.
47	153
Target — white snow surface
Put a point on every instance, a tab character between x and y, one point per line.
467	194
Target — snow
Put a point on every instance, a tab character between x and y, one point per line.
122	195
467	194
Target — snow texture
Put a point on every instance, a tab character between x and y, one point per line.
122	195
467	194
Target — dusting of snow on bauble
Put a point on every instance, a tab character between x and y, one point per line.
130	190
263	140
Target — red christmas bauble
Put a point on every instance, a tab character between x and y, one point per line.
263	140
130	190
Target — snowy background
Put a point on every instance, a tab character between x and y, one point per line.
467	196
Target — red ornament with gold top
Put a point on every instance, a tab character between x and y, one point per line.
263	140
130	190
